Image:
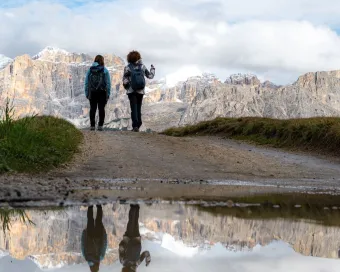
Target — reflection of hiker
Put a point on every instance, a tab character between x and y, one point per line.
97	90
131	246
134	83
94	239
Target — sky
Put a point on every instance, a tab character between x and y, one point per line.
276	40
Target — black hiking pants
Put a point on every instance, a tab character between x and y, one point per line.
95	227
132	229
136	101
98	100
94	235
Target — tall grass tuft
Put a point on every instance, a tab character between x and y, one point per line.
8	215
35	143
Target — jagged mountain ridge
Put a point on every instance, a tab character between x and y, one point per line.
52	82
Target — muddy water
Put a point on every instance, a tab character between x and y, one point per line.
232	236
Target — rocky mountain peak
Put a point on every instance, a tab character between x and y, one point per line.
54	54
269	85
48	51
57	55
319	79
243	79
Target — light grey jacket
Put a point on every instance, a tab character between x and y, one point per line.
127	76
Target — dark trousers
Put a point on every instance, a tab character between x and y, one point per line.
98	100
95	228
132	229
94	235
136	101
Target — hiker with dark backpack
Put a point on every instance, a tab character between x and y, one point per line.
94	239
97	90
134	83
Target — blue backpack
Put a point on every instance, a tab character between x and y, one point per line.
137	77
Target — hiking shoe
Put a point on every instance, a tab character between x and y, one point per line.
100	128
136	129
92	128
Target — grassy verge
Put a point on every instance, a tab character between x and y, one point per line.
322	134
35	144
316	208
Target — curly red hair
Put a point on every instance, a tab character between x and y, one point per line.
133	57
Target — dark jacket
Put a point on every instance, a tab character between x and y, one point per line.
130	252
127	76
93	248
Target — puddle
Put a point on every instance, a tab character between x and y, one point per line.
174	237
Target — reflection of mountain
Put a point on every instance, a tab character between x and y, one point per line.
55	240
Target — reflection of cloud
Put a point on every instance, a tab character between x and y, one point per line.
276	39
168	256
178	247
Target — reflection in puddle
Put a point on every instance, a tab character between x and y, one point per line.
178	237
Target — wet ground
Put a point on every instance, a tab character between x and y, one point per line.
258	234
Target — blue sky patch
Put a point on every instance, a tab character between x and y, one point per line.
67	3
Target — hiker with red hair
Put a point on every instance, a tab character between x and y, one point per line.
131	246
134	83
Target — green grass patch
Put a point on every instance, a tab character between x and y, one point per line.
35	144
8	215
321	134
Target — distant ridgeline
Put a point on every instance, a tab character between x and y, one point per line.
52	83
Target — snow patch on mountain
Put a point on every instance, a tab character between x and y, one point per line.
50	50
4	61
241	79
3	253
52	261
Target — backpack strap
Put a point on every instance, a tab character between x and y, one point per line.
132	66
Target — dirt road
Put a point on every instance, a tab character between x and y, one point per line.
149	165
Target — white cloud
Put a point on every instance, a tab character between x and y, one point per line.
278	40
182	74
9	14
164	20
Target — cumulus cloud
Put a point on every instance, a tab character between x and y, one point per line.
278	40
